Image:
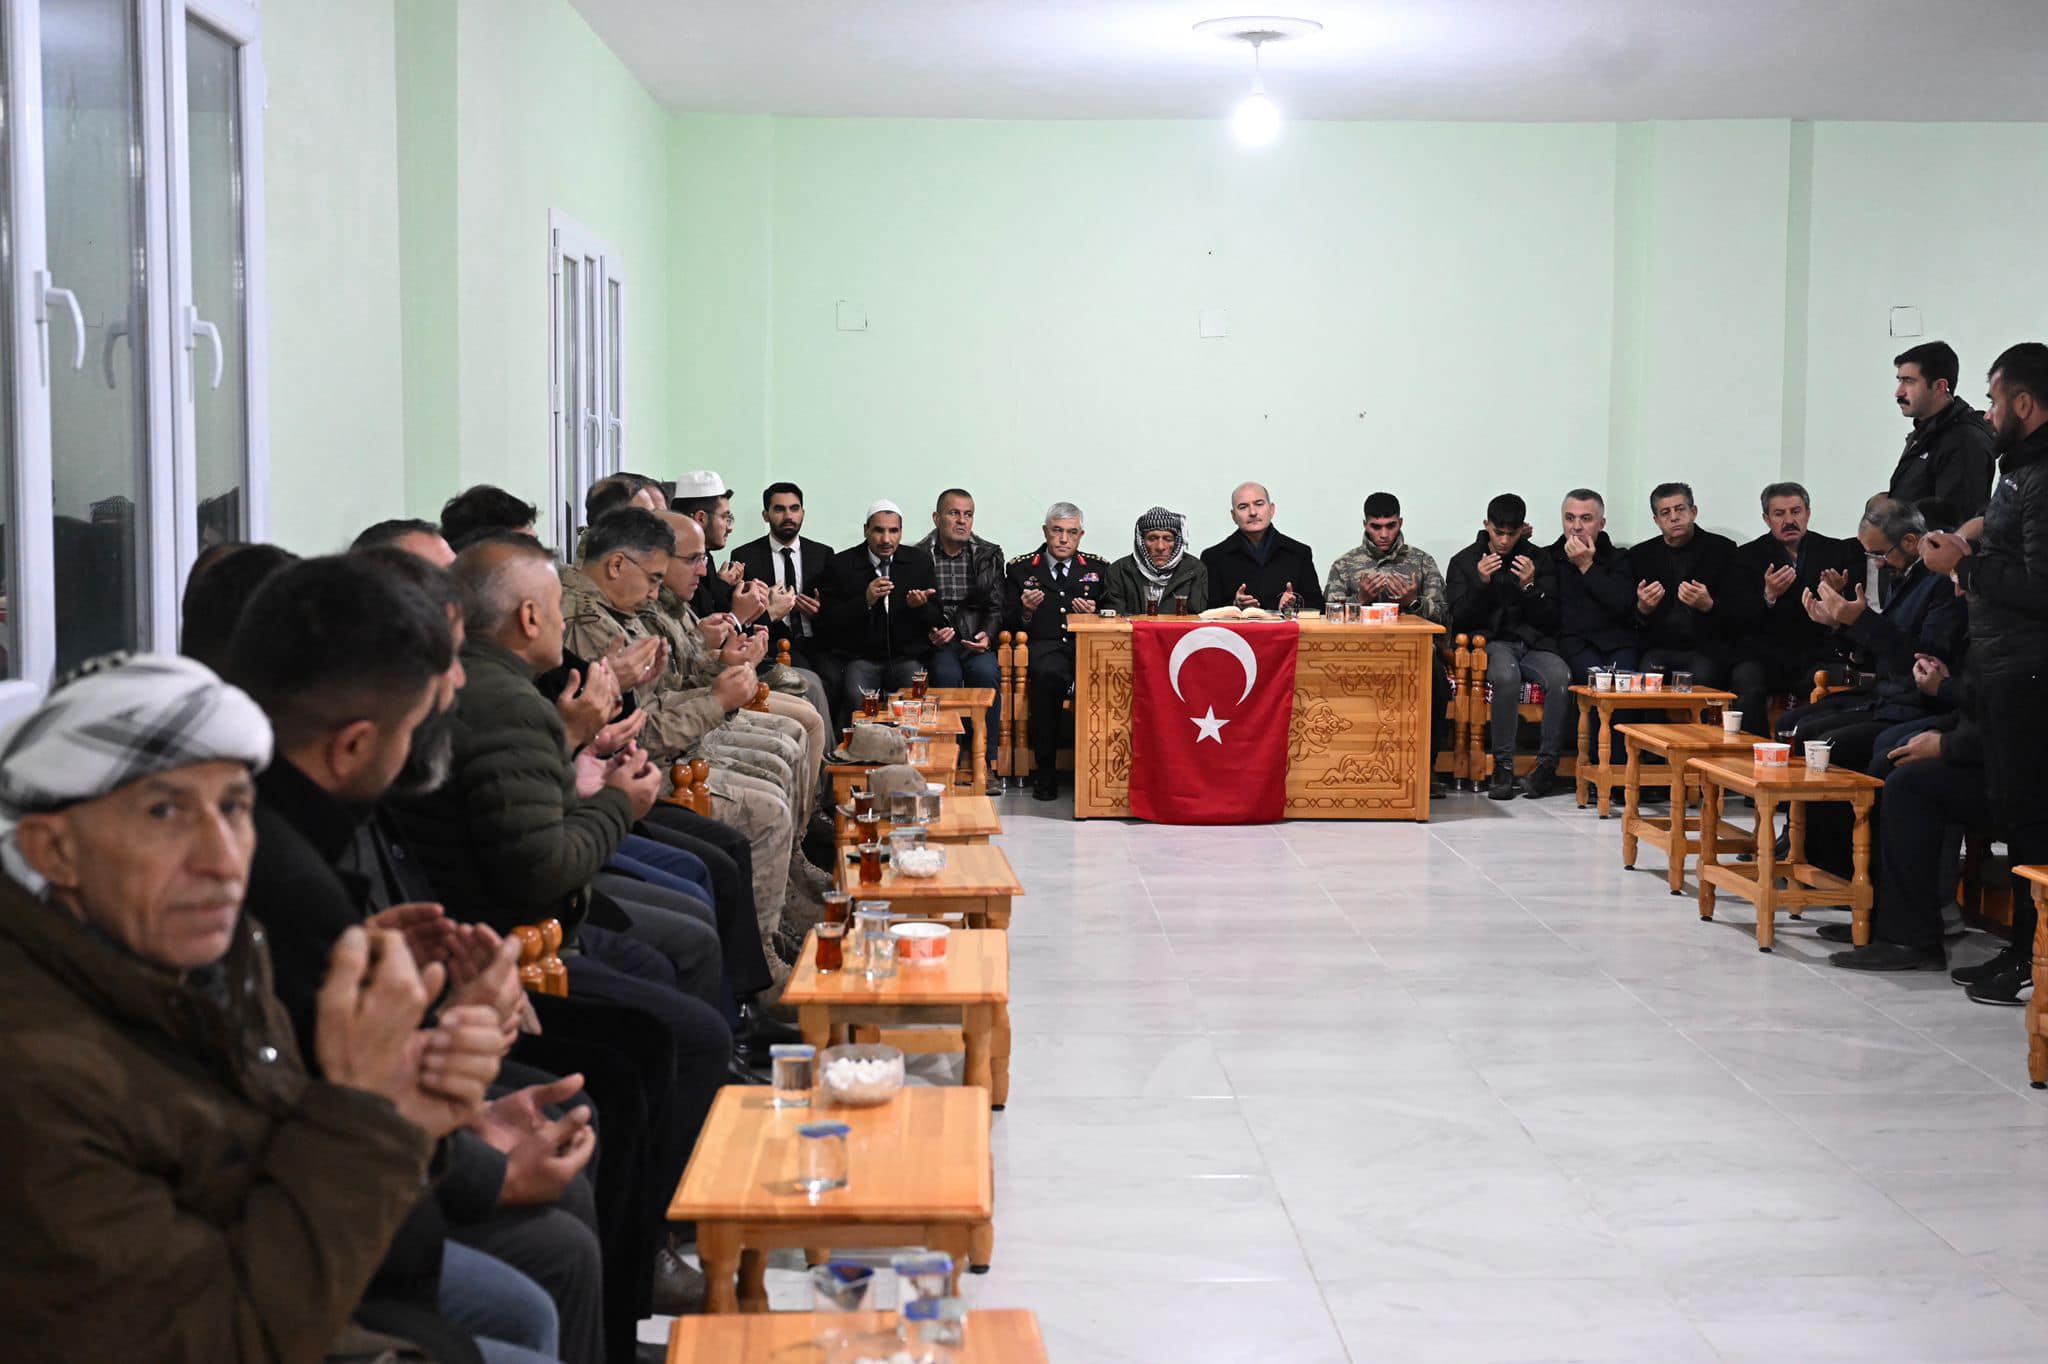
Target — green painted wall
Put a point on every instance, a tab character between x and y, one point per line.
1509	306
331	199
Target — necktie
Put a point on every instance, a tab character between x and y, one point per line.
803	622
1059	570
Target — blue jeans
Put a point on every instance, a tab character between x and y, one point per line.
677	868
511	1316
953	666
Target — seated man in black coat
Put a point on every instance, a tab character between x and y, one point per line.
1596	589
1503	587
880	607
1679	579
1255	565
1040	588
1776	646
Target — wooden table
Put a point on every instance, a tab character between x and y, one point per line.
1791	787
1595	772
970	991
1005	1336
1358	744
977	884
962	819
1675	746
938	767
2037	1003
973	704
918	1175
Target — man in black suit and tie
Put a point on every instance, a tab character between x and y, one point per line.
784	558
880	607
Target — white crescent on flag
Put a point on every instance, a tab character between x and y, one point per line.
1212	637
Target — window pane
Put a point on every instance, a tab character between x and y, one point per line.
219	287
570	326
10	656
611	373
92	182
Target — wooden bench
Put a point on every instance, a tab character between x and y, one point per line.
1477	731
1674	747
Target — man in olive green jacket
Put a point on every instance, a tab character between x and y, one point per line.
1159	573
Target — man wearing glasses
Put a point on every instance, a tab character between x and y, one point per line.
703	496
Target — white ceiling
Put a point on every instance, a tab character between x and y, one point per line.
1917	60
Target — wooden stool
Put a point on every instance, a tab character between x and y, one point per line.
1595	772
1675	746
2037	1004
918	1175
970	991
1006	1336
977	885
1792	787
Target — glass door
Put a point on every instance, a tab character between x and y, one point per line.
215	326
97	290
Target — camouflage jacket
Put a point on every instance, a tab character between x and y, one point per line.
1431	602
679	713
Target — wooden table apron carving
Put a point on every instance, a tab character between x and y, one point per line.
1358	747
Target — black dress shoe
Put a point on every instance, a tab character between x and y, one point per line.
1837	933
2011	986
1505	785
1889	956
1045	786
1544	781
1990	966
756	1026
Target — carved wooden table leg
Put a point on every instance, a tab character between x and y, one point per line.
1674	834
977	1022
1766	875
1632	776
2037	1005
999	1059
1860	892
753	1290
1710	838
1582	775
1795	842
718	1250
816	1022
1603	742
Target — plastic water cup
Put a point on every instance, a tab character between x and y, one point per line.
794	1071
1731	722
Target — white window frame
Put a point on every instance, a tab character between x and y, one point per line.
163	358
598	448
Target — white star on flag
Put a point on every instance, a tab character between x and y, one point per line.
1210	726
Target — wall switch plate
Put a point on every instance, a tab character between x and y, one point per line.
852	317
1215	323
1906	322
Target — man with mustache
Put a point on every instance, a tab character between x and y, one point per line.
1948	452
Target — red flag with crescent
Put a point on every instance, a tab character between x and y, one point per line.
1211	702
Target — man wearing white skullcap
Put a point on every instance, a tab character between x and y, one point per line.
176	1183
880	609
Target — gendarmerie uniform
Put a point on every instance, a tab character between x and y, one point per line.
1051	645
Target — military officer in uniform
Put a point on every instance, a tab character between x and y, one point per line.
1043	586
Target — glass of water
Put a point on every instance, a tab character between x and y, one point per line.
795	1073
821	1157
1681	681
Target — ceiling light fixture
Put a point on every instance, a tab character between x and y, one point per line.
1257	119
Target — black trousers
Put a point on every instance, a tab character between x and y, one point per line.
2015	755
1756	677
730	859
1921	800
1051	677
627	1061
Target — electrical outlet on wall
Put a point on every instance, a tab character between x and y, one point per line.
1906	322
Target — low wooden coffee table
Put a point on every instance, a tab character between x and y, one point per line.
971	703
1005	1336
969	990
962	819
1791	787
977	884
1594	773
1674	746
2037	1003
918	1175
938	767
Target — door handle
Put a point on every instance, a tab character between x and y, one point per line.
196	327
48	293
115	331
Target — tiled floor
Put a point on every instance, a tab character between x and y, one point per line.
1471	1091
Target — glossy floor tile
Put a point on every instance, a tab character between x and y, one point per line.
1471	1091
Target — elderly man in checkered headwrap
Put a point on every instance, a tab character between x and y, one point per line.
175	1179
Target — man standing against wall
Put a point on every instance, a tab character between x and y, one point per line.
1948	453
2006	573
1257	566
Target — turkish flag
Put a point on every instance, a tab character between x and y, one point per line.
1211	703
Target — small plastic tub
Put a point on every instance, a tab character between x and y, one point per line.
921	942
1772	755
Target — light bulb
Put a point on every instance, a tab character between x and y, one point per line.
1256	120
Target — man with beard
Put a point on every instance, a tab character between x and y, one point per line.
1386	568
1948	452
786	560
1775	645
2005	570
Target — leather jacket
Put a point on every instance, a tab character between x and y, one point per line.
982	610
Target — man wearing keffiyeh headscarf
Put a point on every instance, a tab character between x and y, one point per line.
1159	572
176	1181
